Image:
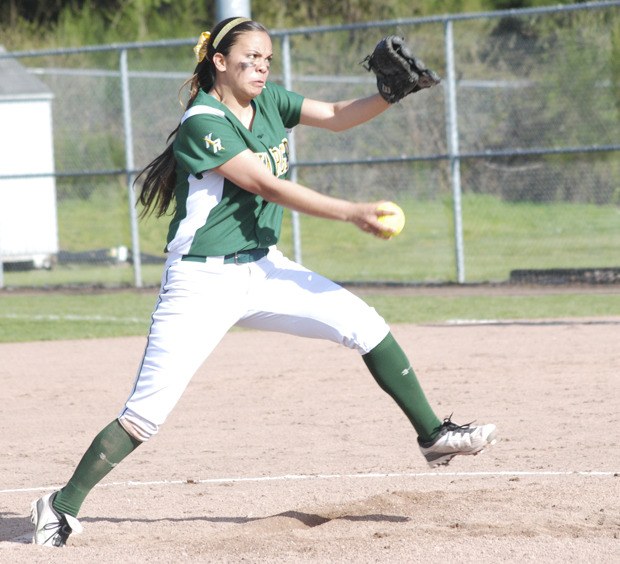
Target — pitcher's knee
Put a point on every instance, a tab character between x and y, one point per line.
136	426
369	331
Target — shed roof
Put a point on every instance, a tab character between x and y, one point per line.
17	83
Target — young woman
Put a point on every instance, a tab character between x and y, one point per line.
226	171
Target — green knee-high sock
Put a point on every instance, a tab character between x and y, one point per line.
108	448
391	369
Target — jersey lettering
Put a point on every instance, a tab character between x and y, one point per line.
279	155
264	158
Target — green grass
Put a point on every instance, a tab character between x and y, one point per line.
434	309
498	237
106	276
55	315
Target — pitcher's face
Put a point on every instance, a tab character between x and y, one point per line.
247	64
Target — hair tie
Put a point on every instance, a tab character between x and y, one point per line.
201	47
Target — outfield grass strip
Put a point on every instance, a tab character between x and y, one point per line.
69	317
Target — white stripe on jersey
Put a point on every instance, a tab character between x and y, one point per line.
204	194
200	109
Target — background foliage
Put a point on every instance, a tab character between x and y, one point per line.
35	24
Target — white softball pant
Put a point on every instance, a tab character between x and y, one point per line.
199	302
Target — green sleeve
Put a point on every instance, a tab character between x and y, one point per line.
206	141
288	104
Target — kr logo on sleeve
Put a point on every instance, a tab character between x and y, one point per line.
214	145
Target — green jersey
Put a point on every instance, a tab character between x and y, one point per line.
213	216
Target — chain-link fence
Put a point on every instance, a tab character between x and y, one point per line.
511	166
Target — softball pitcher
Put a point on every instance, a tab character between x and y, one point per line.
226	171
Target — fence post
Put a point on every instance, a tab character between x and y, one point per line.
292	155
452	132
129	167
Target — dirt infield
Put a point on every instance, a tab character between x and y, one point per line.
285	450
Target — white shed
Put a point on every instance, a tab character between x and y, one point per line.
28	223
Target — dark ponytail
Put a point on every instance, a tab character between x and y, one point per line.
160	174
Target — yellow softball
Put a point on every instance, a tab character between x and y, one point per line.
395	221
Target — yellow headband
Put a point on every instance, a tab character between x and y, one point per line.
227	28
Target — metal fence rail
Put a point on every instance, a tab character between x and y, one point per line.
512	163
